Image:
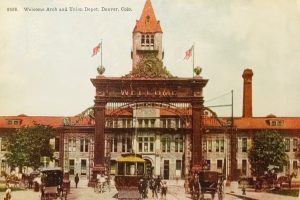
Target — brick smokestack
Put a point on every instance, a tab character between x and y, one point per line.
247	96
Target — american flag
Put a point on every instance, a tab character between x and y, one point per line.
96	49
189	53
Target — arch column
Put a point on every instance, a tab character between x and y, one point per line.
197	136
99	139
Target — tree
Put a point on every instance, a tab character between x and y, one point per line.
268	148
28	144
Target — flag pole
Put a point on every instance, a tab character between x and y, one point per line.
193	57
101	49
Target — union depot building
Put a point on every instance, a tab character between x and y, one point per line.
150	112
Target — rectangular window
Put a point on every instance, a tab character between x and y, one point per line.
143	40
163	123
56	145
177	123
83	167
3	165
129	123
146	144
140	144
222	145
166	144
169	125
209	145
151	144
126	144
178	164
146	123
179	144
72	145
295	164
244	144
295	144
124	123
287	145
123	144
152	40
3	144
207	164
152	123
140	121
114	144
84	145
244	167
217	145
71	166
219	164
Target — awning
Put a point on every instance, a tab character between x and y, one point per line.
131	158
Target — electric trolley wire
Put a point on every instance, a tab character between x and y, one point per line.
218	96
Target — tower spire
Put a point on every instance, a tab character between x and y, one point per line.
147	22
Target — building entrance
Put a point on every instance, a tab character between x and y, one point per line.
149	169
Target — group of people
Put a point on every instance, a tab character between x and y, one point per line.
156	185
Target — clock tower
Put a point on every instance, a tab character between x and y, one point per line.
147	40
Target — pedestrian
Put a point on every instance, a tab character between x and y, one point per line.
164	189
140	188
76	179
153	188
186	186
7	193
158	183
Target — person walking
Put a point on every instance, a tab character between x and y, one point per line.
153	187
76	179
158	183
164	189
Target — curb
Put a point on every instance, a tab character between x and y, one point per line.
241	196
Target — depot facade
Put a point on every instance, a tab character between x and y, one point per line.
161	117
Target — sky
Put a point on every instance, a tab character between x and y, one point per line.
46	63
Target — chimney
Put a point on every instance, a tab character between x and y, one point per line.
247	96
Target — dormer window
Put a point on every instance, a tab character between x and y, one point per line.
147	40
14	122
275	122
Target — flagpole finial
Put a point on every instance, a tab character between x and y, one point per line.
197	71
101	70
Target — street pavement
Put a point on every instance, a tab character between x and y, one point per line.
175	192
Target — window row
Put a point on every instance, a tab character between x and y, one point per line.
83	145
287	143
218	145
147	40
146	123
146	144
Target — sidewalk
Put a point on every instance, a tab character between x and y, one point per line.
175	192
252	195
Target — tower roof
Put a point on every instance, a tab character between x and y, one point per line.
147	22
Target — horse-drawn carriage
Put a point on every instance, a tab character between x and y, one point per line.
52	184
130	169
210	182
